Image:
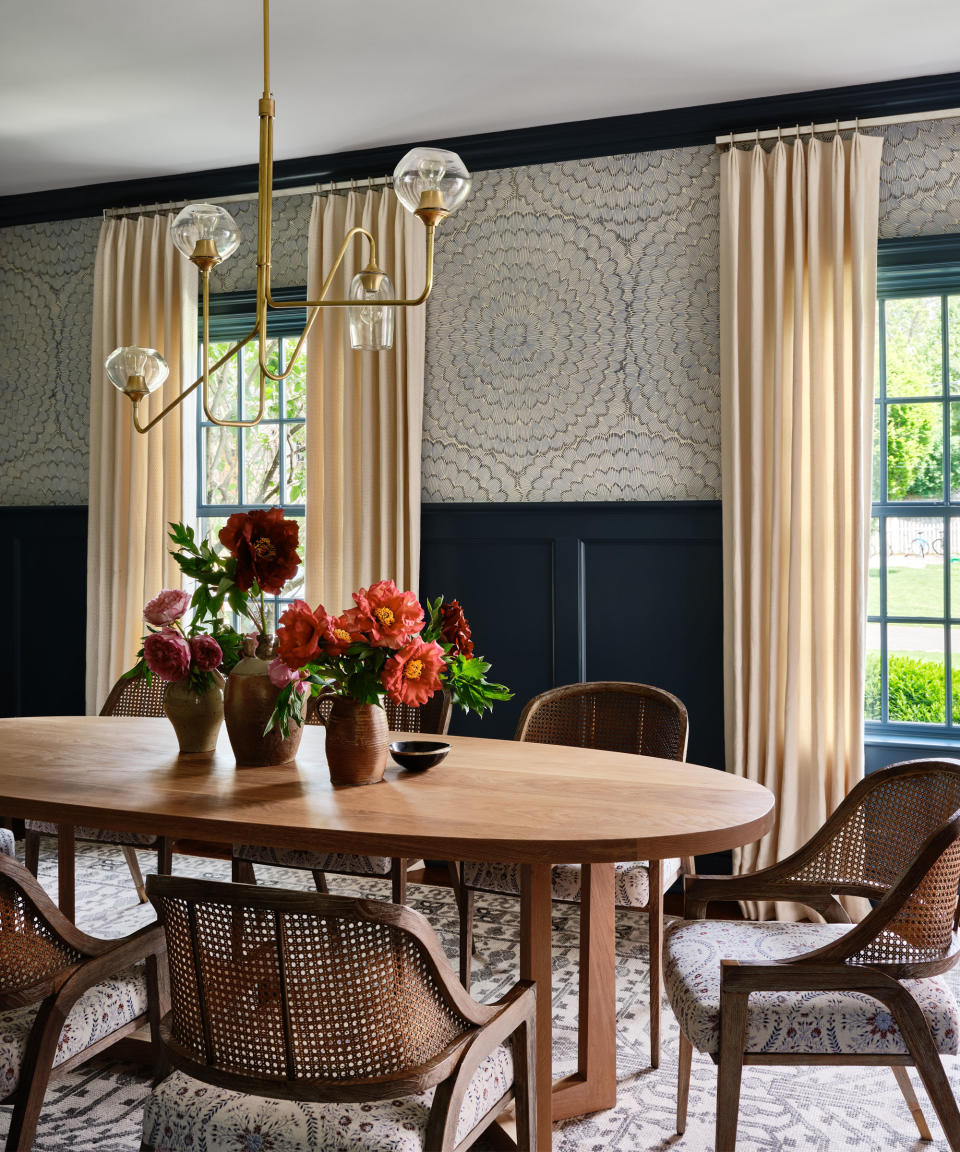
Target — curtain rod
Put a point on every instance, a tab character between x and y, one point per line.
302	190
836	125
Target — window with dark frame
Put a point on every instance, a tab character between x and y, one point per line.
913	605
264	466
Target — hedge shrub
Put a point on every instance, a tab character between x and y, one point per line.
917	690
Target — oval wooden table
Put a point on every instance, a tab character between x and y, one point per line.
536	804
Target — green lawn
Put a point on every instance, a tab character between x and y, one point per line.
915	591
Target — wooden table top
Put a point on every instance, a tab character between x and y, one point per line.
489	799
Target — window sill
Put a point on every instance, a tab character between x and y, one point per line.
908	740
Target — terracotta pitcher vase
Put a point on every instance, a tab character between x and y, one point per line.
357	739
196	719
248	705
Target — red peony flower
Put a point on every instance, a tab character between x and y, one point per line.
454	628
413	675
207	653
299	634
265	545
167	654
394	616
346	630
167	606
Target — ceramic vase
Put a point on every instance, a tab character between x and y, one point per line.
196	719
248	705
357	739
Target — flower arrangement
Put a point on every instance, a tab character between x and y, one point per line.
385	645
173	653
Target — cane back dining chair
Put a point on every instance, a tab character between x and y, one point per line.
128	697
615	717
324	1022
432	717
64	995
833	993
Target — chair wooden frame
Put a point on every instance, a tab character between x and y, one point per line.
115	704
449	1071
658	882
849	963
57	992
400	718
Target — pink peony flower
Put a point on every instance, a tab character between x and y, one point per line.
393	616
281	675
207	653
413	675
170	605
167	654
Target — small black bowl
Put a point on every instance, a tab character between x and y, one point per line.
416	755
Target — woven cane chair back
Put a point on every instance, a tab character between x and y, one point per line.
883	829
879	829
612	716
295	987
922	930
135	697
31	951
431	718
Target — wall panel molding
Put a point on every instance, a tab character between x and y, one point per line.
558	593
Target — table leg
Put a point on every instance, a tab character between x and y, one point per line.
66	879
536	940
594	1085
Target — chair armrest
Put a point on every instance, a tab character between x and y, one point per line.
117	955
793	975
514	1011
701	891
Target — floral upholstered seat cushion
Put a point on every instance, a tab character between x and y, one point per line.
807	1023
185	1115
100	835
632	881
7	843
99	1011
319	861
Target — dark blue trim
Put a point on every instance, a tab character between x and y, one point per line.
45	563
232	314
559	593
545	144
918	265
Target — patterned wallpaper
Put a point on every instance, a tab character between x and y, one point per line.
572	342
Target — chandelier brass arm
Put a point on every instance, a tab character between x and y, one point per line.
429	182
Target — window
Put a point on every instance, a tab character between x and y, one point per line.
243	468
913	607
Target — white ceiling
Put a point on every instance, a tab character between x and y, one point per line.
97	90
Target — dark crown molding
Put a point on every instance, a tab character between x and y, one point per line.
577	140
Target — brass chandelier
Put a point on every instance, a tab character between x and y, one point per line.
429	182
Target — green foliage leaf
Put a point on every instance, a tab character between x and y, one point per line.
917	690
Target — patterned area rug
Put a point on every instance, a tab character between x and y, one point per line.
782	1109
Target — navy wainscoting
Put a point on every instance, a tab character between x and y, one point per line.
559	593
43	584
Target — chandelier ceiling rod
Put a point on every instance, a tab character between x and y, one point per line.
429	182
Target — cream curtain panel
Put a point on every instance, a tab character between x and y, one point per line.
145	293
798	297
364	410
